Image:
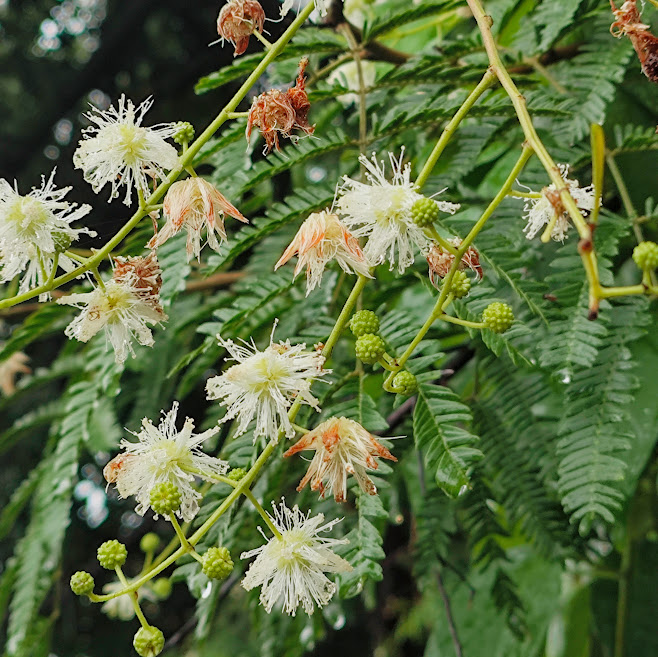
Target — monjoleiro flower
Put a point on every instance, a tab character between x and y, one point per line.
124	310
322	238
540	212
381	211
264	384
119	150
238	20
291	568
342	448
33	228
195	204
163	454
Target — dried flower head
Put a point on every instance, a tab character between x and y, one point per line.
281	112
196	205
143	272
628	22
122	309
440	261
237	21
34	228
163	454
120	151
10	368
290	567
342	448
322	238
381	211
264	384
549	209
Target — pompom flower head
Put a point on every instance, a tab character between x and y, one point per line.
120	151
291	567
163	454
264	384
280	112
381	211
195	204
322	238
34	228
238	20
124	307
548	208
342	448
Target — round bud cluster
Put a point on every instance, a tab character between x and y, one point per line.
112	554
165	498
184	132
162	587
150	542
364	322
149	641
645	255
217	563
62	240
498	317
369	348
236	474
424	212
404	383
461	284
82	583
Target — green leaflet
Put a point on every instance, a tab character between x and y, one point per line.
448	450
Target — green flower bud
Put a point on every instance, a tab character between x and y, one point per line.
149	641
364	322
460	286
62	240
82	583
236	474
165	498
150	542
424	212
217	563
404	383
645	255
162	587
369	348
498	317
184	132
112	554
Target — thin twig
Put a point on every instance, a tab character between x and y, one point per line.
451	621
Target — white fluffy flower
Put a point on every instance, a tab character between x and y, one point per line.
320	239
33	228
120	151
539	212
264	384
122	309
164	455
322	6
342	448
291	568
381	211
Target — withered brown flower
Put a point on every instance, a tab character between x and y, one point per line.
238	20
646	44
282	112
440	261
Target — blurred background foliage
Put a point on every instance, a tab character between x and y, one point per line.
552	549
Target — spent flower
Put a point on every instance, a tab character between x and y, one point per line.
264	384
238	20
197	206
440	261
291	567
120	151
322	238
164	455
342	448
